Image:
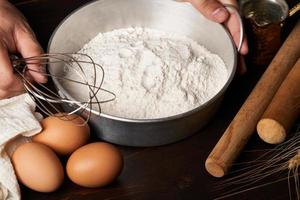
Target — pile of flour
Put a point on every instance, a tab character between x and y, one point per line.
154	74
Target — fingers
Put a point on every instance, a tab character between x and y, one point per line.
234	28
28	46
244	49
212	9
10	84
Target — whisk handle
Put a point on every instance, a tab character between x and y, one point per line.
17	63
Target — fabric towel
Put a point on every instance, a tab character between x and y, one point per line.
18	122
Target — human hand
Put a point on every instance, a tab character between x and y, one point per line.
16	36
215	11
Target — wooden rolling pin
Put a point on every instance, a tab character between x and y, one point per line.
283	110
243	125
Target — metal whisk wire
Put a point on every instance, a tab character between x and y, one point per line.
47	99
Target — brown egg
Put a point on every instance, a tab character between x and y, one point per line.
63	136
95	165
38	167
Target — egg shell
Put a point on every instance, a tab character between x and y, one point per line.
62	135
95	165
38	167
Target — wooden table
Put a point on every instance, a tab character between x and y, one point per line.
175	171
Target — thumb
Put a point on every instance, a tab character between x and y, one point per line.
28	46
211	9
10	84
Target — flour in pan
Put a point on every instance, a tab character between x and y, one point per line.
154	74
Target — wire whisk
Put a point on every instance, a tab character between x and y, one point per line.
89	76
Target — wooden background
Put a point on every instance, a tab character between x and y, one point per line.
175	171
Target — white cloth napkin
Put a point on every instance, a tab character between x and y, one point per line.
17	122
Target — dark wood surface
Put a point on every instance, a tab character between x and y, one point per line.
175	171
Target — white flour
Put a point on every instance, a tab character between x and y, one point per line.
153	74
